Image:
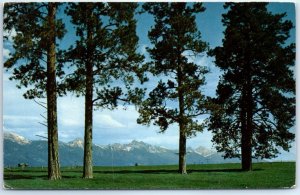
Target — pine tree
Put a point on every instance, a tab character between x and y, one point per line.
34	62
103	59
177	98
256	94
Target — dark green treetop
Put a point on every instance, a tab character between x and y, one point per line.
257	63
110	48
29	58
177	98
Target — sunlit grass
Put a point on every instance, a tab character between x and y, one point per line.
220	176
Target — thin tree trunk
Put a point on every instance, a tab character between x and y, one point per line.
245	135
88	132
88	163
247	163
182	151
182	133
53	158
182	138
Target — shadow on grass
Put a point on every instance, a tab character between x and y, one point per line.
13	176
163	171
220	170
26	171
44	177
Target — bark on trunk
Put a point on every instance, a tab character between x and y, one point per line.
88	132
53	158
182	151
247	160
247	133
182	132
88	163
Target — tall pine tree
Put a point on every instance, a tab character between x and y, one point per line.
256	94
34	62
177	98
103	59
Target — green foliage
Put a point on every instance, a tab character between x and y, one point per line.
175	36
219	176
111	49
258	78
29	59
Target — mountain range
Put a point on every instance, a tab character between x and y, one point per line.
18	149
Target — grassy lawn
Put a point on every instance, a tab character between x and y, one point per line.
221	176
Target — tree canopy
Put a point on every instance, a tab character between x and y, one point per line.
34	62
256	93
110	48
29	59
177	98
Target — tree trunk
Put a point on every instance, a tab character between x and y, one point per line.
53	158
246	154
182	151
88	131
182	132
247	163
247	134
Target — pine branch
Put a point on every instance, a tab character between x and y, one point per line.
43	116
43	124
40	103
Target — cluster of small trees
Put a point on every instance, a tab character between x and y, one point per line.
255	103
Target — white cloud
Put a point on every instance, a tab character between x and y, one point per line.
27	126
17	119
127	115
71	111
106	121
70	122
71	114
67	135
201	139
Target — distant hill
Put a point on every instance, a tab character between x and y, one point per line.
18	149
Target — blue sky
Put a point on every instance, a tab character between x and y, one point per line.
119	126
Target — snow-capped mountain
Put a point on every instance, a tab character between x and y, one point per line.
138	145
78	142
14	137
18	149
204	151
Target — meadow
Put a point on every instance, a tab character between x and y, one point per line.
210	176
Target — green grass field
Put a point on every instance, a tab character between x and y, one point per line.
221	176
